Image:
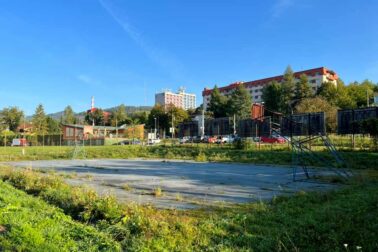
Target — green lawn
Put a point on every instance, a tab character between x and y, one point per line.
322	221
278	155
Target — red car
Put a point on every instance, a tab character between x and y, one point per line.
212	139
272	139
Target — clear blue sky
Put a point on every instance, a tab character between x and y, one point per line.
60	52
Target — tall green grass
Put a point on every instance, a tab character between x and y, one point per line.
30	224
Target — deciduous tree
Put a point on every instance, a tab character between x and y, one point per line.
11	117
96	116
53	125
319	104
119	115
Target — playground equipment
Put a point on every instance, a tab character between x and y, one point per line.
79	150
300	130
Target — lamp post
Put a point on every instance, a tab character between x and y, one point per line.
155	127
367	97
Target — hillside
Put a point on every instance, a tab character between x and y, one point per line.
80	115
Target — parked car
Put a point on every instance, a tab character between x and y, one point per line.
211	139
273	139
19	142
226	139
129	142
153	141
198	139
185	139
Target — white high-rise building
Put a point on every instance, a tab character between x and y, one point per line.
181	99
188	100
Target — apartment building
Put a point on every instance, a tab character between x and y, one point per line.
181	99
315	76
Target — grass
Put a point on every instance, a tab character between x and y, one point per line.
178	197
30	224
319	221
279	155
157	192
126	187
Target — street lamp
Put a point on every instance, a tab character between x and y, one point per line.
155	126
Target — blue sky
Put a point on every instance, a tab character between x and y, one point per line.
60	52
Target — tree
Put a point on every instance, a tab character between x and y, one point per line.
218	103
53	125
96	116
287	93
178	115
141	116
302	88
239	103
39	121
159	116
344	101
68	116
119	116
360	92
271	95
319	104
11	117
336	95
328	90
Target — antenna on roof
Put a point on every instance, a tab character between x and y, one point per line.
182	89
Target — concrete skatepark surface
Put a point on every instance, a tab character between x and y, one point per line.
184	184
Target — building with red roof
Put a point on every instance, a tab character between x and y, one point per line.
316	77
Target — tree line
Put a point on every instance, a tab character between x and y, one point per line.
11	118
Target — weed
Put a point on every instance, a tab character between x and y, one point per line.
126	187
201	157
178	197
88	177
157	192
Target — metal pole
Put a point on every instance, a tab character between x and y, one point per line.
155	127
203	123
234	125
116	130
173	129
367	97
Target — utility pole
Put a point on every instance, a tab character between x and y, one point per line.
116	129
173	128
234	124
203	122
367	97
155	127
